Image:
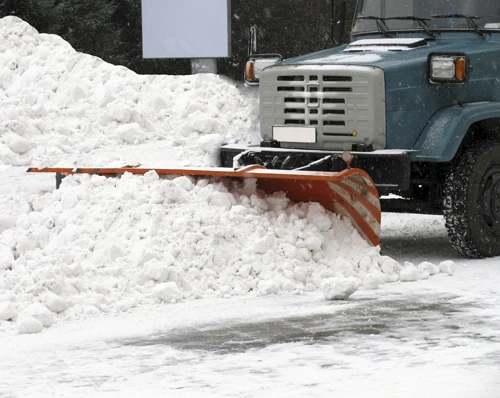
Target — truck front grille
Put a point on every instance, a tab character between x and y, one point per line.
345	104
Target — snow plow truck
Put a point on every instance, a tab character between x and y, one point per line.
403	118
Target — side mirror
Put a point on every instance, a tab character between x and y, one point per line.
338	22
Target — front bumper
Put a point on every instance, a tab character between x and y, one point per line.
389	169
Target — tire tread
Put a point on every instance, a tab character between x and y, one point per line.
456	190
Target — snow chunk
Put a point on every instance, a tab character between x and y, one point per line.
19	145
300	274
211	143
159	270
40	312
314	243
345	267
7	311
222	200
56	303
339	288
168	292
373	280
409	273
447	267
264	244
268	287
427	267
6	257
130	133
319	217
29	324
390	267
184	182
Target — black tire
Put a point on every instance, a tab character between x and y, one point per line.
472	200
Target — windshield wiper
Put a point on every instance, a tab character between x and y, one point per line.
422	22
381	26
470	21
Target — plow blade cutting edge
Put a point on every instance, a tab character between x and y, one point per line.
350	193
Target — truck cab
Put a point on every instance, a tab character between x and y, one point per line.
414	96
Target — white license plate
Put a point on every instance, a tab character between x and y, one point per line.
304	135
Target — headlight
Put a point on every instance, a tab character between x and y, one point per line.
443	68
256	64
448	68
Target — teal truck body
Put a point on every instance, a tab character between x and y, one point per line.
415	96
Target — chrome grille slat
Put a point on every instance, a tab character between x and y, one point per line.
333	112
292	78
337	78
337	89
291	88
294	100
295	110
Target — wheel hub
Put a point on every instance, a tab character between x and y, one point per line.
489	199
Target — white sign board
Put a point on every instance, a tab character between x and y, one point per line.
185	28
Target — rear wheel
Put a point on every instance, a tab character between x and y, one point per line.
472	201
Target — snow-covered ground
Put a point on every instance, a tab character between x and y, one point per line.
434	338
184	287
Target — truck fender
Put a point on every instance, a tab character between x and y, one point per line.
442	136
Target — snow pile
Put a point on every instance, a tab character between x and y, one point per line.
59	105
102	245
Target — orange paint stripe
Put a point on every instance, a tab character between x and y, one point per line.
375	211
372	235
365	182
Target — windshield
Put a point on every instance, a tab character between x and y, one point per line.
487	11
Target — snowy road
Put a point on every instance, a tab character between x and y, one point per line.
432	338
435	338
412	237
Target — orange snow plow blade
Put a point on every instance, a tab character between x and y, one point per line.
350	193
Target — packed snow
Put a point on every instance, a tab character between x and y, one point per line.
108	245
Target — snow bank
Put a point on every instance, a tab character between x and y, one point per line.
102	245
59	105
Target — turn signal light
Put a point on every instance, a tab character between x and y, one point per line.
250	70
460	69
256	64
